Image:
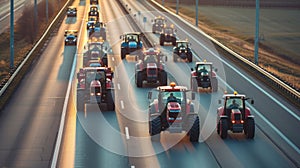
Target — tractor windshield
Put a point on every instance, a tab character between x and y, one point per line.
159	21
172	96
150	59
203	69
182	44
169	31
132	37
234	103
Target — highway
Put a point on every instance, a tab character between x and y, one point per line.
30	121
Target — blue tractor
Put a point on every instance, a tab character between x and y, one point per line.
131	44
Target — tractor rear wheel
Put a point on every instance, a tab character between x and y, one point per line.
195	128
155	128
250	128
110	101
161	41
218	128
123	53
80	100
163	78
139	80
190	57
224	128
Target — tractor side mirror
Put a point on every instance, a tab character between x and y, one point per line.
219	101
193	96
149	95
192	69
121	36
252	102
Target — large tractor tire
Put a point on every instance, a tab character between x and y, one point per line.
195	128
250	128
218	128
214	84
110	101
163	78
105	62
223	128
161	41
139	79
80	100
174	42
155	128
123	53
190	57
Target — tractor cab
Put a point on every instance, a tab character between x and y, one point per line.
204	77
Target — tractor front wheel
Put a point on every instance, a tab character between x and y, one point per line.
224	128
155	128
195	129
250	128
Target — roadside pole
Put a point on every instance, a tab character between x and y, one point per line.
11	34
256	40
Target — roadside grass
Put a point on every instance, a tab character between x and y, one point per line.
23	37
280	62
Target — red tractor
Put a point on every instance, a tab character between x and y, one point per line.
172	111
235	116
95	51
95	86
150	68
204	78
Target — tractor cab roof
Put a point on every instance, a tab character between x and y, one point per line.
172	88
203	63
234	95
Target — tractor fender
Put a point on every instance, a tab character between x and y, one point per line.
250	117
124	45
220	111
247	112
154	106
213	74
223	116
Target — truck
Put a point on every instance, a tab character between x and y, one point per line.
150	68
235	116
204	77
95	87
172	111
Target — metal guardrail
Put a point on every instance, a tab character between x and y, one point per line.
37	46
279	83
